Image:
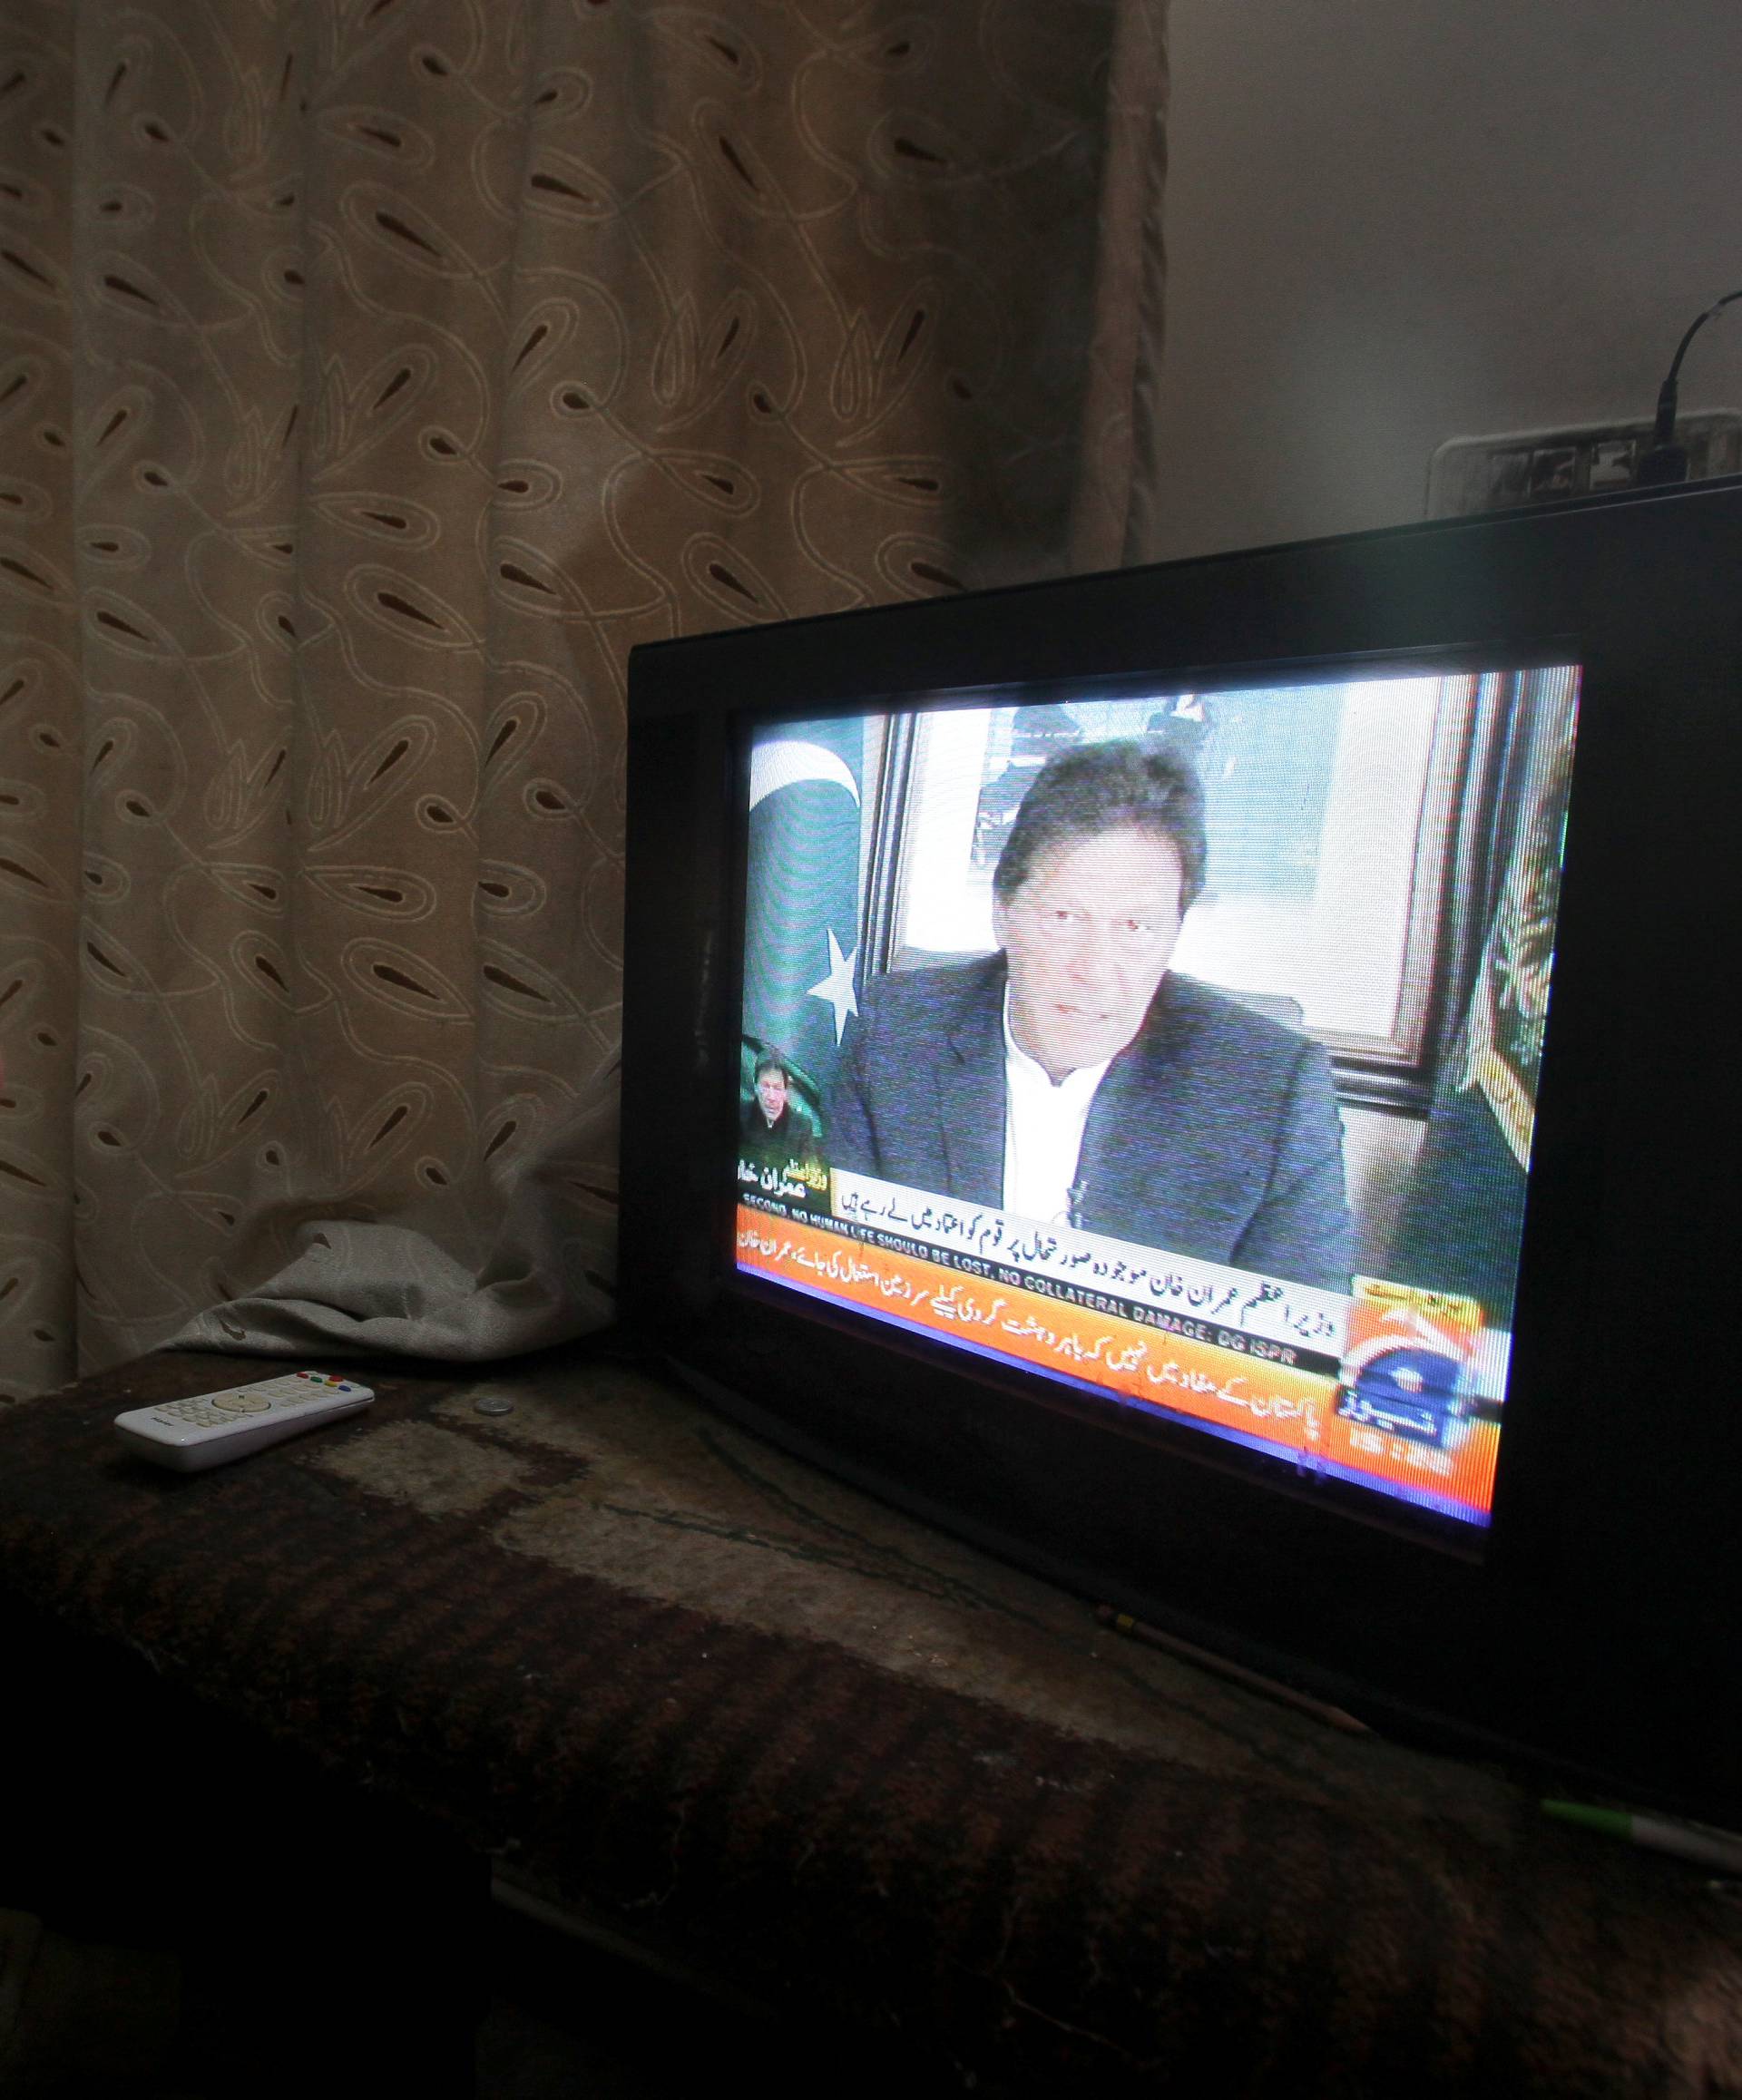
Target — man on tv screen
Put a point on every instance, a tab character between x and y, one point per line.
773	1128
1071	1079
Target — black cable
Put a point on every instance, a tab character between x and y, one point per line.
1666	461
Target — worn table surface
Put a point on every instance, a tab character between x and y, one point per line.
659	1671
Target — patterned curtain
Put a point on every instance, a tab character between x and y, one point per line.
375	373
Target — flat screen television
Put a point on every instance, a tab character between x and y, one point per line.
1217	1082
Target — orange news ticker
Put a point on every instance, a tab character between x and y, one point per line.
1291	1409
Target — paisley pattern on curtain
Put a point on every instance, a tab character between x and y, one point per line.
374	373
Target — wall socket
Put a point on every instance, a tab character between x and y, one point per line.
1539	466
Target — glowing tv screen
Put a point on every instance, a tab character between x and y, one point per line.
1102	1035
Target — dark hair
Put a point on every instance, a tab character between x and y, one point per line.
1098	787
769	1062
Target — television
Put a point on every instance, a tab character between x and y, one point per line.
1215	1082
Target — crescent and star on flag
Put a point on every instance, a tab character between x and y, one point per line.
785	765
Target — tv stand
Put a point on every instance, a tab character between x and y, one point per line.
660	1674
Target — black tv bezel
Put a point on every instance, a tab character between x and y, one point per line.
1590	1634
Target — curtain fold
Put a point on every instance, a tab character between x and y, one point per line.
375	375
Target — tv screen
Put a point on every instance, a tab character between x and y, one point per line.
1097	1034
1213	1081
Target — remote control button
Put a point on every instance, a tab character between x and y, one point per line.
242	1403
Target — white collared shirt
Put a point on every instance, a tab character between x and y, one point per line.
1043	1126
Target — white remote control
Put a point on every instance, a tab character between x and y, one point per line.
212	1428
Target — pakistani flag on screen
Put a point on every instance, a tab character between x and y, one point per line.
801	934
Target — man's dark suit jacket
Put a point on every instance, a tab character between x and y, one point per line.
1214	1133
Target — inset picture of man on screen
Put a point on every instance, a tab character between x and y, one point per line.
777	1137
1073	1077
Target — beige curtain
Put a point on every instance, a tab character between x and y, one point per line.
375	373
